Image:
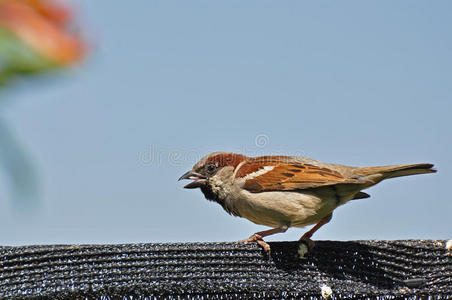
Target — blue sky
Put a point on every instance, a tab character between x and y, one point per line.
357	83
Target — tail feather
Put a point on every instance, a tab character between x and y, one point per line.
381	173
411	170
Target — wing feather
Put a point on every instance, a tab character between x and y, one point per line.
277	175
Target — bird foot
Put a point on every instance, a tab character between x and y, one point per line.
256	238
310	243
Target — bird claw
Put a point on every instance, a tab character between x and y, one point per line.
310	243
256	238
264	246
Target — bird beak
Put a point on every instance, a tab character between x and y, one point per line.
198	180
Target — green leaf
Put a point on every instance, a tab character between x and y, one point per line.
17	58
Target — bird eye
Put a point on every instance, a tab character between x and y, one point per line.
211	167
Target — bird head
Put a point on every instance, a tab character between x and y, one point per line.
211	165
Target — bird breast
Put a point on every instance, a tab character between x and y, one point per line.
274	209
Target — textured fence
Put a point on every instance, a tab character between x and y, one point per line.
355	269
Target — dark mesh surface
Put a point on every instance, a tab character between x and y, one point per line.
227	270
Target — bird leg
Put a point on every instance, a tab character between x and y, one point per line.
257	237
307	236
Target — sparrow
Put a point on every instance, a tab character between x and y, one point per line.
286	191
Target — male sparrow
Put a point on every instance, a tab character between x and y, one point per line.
286	191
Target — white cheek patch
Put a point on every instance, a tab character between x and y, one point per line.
260	172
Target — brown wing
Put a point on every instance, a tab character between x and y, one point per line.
287	176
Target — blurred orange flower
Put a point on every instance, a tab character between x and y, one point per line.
35	36
43	25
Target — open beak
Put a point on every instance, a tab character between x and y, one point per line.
198	180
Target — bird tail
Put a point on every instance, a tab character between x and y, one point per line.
378	174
